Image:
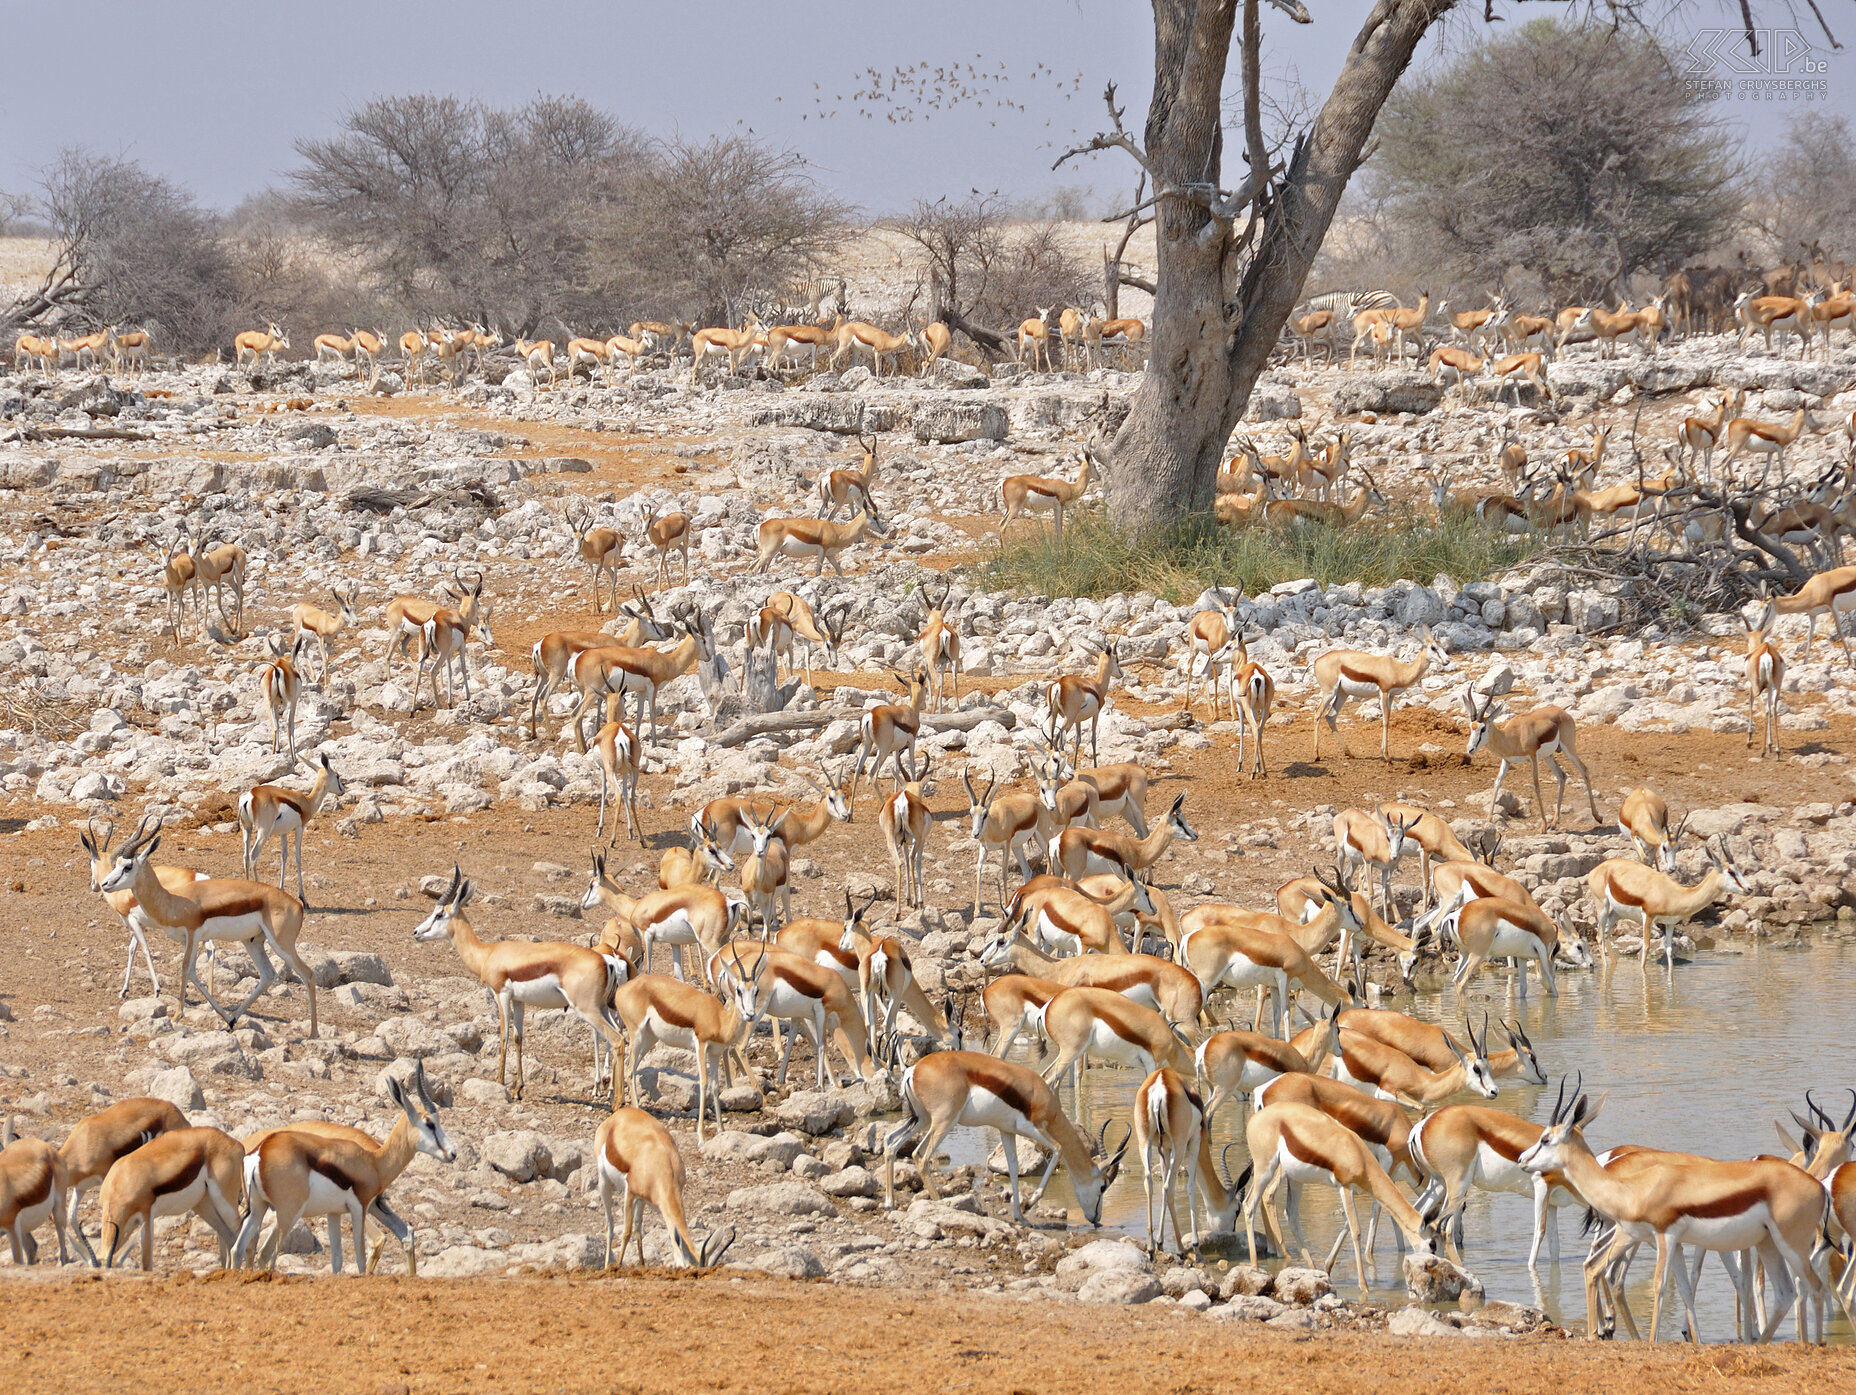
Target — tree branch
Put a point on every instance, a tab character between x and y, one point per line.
1118	139
1223	207
1253	100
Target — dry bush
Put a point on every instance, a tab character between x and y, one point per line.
1577	154
553	216
16	215
709	230
293	276
464	211
980	267
1808	186
132	248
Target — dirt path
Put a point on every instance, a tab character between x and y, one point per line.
652	1334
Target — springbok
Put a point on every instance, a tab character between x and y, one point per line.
940	646
1035	333
1765	679
98	1142
1348	673
31	1193
1644	815
267	810
1627	890
312	619
656	1007
1545	731
217	910
1302	1145
850	489
1024	494
951	1088
1075	699
670	532
259	345
193	1169
522	974
315	1169
599	548
634	1154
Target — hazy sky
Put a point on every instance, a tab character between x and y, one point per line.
213	94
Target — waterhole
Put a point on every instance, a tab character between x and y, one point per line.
1704	1060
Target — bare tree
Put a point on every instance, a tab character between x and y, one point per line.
1232	257
461	210
960	241
132	248
986	273
15	209
1809	185
712	229
1033	269
1577	154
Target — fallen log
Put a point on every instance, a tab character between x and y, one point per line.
776	723
83	433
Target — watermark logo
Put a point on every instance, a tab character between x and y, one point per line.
1718	65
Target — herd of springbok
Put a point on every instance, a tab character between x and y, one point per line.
1083	339
1096	963
1513	343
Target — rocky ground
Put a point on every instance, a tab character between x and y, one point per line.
325	483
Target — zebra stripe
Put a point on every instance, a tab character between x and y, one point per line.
1345	303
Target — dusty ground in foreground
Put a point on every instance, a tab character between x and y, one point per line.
650	1334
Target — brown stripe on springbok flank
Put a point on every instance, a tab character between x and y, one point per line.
1619	893
1727	1203
1121	1024
1134	977
1279	1055
179	1180
35	1193
1509	1139
1035	485
1355	1067
1063	923
225	898
670	1010
530	970
290	799
1354	675
1002	1080
327	1167
1357	1116
790	975
1300	1148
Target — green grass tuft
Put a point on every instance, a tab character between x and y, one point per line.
1096	559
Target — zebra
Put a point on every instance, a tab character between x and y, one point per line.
1347	304
1326	311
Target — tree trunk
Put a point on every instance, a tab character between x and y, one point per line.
1211	338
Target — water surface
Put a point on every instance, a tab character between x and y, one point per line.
1702	1061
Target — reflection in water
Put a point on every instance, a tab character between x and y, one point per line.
1703	1062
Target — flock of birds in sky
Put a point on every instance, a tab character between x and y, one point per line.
905	95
